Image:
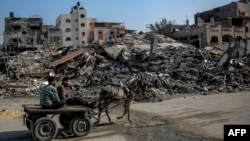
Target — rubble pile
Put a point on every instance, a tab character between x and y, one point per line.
165	66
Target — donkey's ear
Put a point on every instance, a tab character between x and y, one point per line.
121	84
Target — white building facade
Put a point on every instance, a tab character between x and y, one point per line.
73	27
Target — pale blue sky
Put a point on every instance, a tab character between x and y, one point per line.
135	14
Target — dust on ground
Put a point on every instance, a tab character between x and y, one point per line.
145	126
11	113
12	107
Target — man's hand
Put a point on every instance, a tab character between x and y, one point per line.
67	96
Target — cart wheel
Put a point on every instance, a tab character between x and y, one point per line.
44	129
80	126
32	118
64	120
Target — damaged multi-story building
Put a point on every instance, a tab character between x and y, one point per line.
52	37
79	30
29	34
73	29
73	26
216	26
22	33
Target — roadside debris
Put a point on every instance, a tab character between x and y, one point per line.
165	67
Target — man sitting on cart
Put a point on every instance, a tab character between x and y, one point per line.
63	95
49	98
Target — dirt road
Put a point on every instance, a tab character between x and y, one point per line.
186	118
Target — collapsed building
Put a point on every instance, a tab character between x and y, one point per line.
111	56
169	66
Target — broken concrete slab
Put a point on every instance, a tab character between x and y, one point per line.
114	51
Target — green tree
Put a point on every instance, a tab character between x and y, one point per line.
161	27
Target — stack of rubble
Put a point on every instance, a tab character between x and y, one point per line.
170	67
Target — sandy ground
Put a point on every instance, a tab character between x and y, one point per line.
185	117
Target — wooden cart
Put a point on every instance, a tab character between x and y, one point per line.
43	127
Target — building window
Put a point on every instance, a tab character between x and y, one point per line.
76	38
111	32
67	30
15	40
16	27
214	39
68	39
67	21
83	34
82	15
76	29
30	40
82	24
35	27
100	32
76	20
227	38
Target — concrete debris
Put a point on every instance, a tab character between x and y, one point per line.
162	65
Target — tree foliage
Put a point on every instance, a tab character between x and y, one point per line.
161	27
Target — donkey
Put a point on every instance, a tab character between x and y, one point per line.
122	95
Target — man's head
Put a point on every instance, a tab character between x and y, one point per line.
65	81
52	80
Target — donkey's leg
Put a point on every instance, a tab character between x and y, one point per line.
128	109
100	110
99	117
107	114
125	111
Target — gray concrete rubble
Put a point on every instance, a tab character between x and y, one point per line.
170	67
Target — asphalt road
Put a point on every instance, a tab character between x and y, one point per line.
203	115
198	117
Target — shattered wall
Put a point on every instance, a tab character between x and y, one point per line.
220	13
20	32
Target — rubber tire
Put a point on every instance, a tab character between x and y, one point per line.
80	126
38	127
65	120
33	118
